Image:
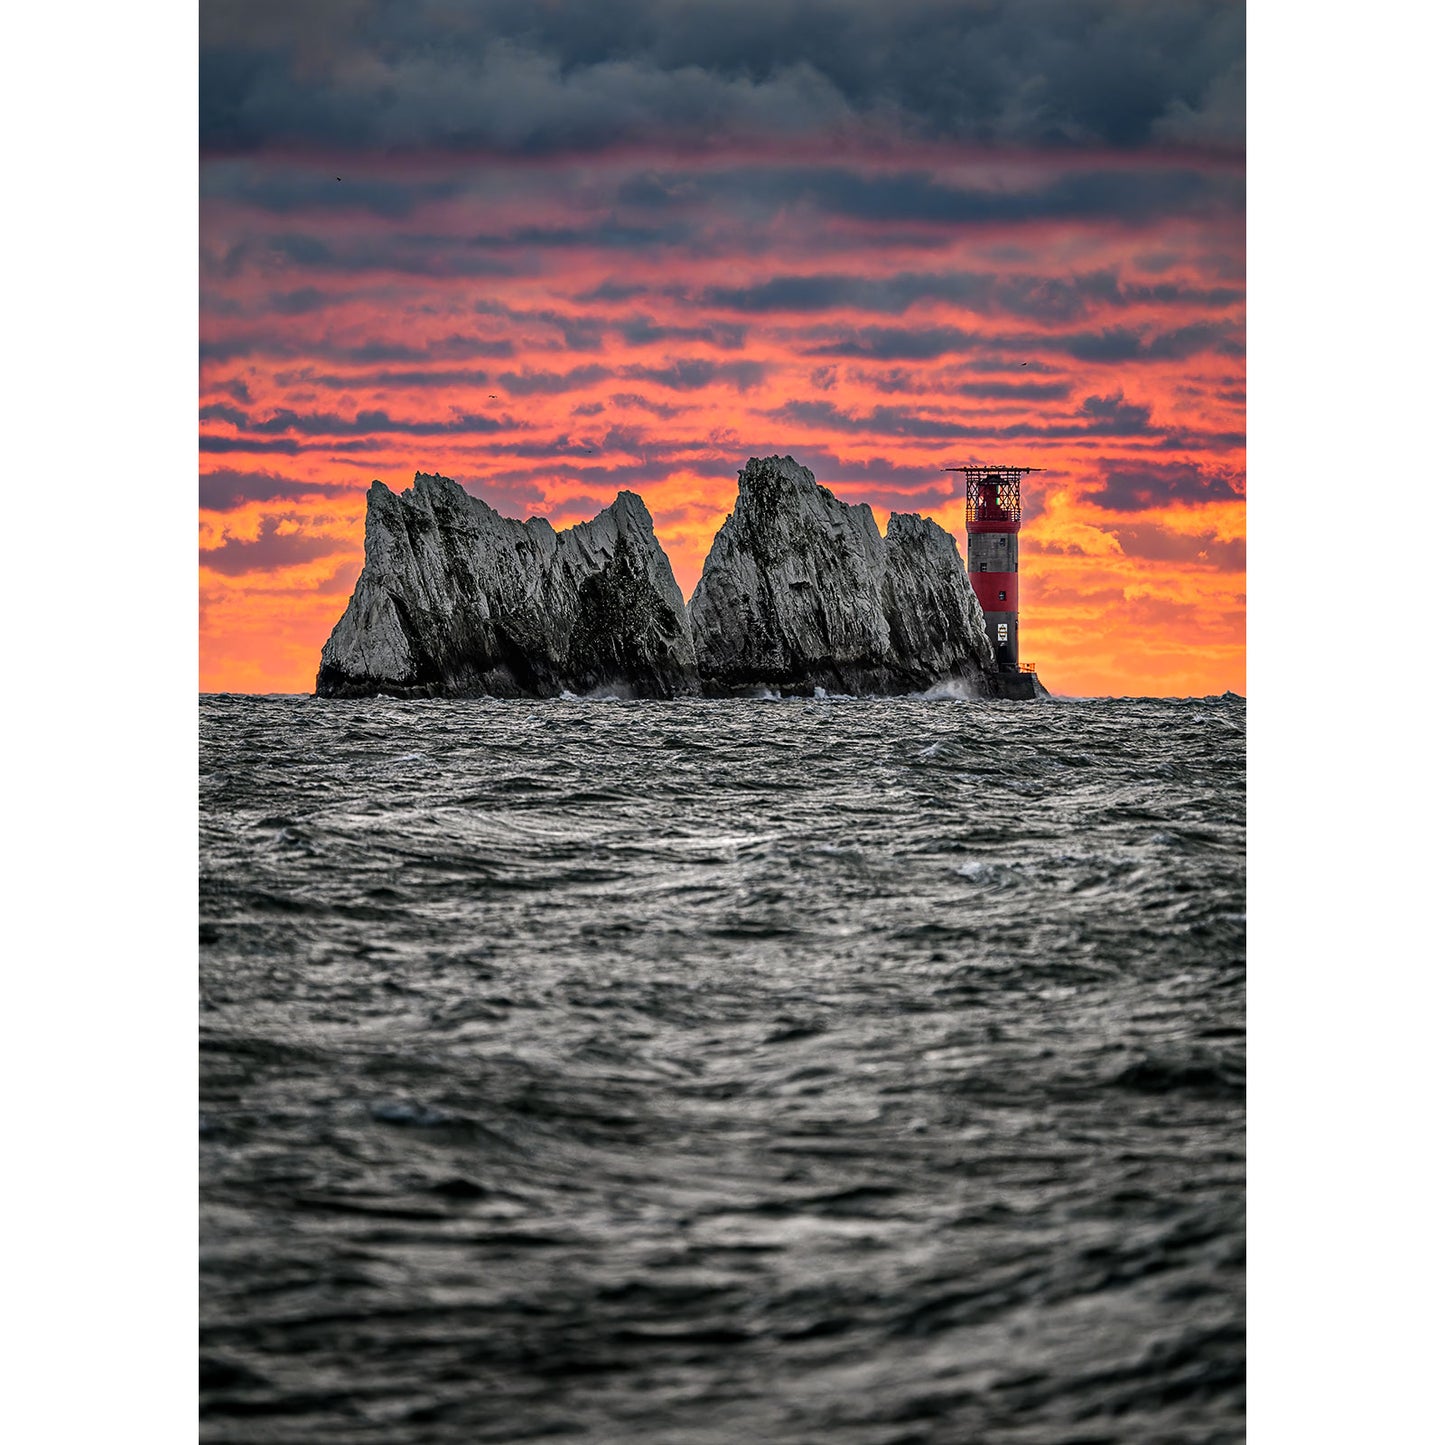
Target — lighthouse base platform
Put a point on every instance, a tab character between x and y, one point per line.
1018	686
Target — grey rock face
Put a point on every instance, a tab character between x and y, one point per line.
457	600
799	592
934	616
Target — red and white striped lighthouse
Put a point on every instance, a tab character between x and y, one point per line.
993	512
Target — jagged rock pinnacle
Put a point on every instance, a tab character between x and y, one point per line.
800	591
456	600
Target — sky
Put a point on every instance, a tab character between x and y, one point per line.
554	250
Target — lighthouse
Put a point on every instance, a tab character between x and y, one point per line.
993	513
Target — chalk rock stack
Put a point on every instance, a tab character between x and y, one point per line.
801	592
934	616
456	600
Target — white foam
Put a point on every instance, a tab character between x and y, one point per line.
974	869
951	690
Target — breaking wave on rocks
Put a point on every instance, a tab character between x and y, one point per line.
949	692
846	1070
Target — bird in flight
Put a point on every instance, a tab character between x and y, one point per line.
491	396
338	178
1023	363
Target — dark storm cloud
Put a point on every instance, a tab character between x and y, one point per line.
219	411
632	439
247	444
1119	343
880	421
364	423
612	291
693	375
1116	343
1135	195
1098	416
306	190
1132	486
632	399
732	210
283	446
566	458
643	331
950	379
608	233
224	489
409	254
790	294
1040	298
1113	416
899	343
518	77
892	421
1023	392
1191	340
551	383
456	347
302	301
376	380
271	550
1112	344
906	379
578	333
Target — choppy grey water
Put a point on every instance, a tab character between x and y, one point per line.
847	1071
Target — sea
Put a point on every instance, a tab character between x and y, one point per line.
767	1070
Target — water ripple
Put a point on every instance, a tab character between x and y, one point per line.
868	1071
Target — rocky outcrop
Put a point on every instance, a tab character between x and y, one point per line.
801	592
456	600
935	620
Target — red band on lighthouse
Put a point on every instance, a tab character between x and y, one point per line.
996	591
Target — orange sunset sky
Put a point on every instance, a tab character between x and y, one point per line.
553	257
